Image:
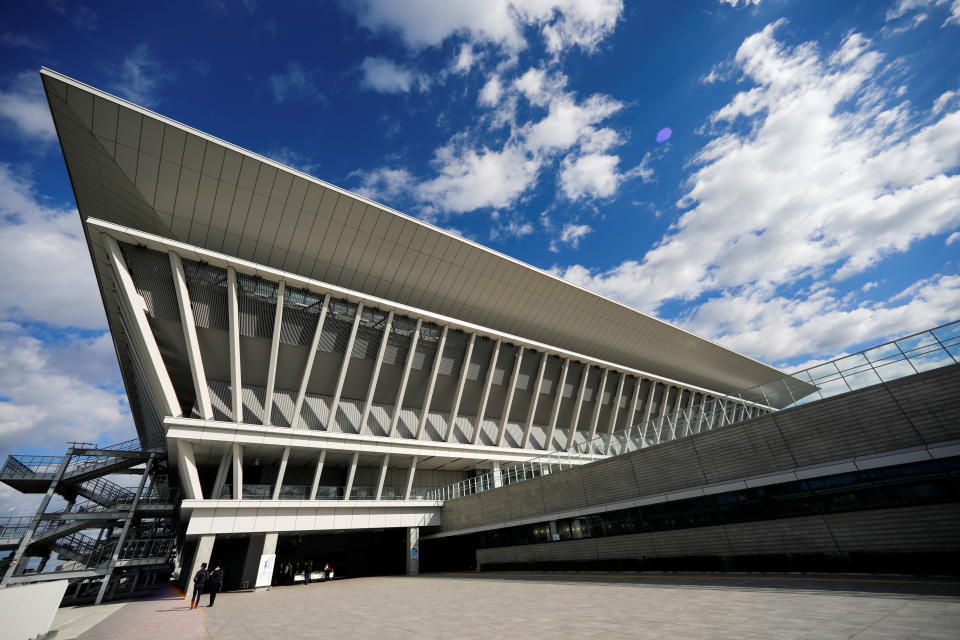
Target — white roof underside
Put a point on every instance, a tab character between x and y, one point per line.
138	169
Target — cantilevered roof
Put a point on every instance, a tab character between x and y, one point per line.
139	169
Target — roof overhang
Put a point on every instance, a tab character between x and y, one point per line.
138	169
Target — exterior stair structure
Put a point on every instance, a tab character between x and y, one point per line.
134	539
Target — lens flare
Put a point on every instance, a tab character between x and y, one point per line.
664	134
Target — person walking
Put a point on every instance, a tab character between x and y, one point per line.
214	583
199	581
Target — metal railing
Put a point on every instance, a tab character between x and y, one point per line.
915	353
302	492
14	526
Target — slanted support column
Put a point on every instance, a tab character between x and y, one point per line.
557	399
383	476
350	475
200	556
141	334
115	556
496	474
615	405
221	478
343	367
688	419
274	350
282	472
237	472
188	470
413	551
410	475
308	367
647	412
428	397
576	408
204	407
377	366
317	474
455	409
398	404
482	411
534	400
597	405
233	317
261	544
508	401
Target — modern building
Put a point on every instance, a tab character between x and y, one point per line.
318	373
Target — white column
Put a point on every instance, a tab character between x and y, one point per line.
647	411
188	470
317	473
455	409
343	367
350	474
410	475
204	407
534	401
576	408
200	556
496	475
377	366
688	419
631	410
221	478
141	334
383	476
236	378
428	397
398	405
598	404
482	411
557	399
282	472
508	401
308	367
274	350
615	404
237	472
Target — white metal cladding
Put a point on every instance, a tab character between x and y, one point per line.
417	383
141	170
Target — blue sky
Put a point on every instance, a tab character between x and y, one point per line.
807	202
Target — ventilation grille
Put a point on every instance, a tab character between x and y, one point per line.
153	279
398	342
257	306
373	322
208	294
301	312
336	326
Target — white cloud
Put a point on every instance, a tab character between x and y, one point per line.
466	58
778	328
43	249
572	234
491	91
953	237
10	39
295	84
48	397
292	158
592	175
139	76
921	10
821	159
24	106
383	184
81	16
563	24
744	3
942	101
511	229
386	76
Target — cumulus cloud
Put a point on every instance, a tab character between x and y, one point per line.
295	84
139	76
570	235
562	24
23	105
813	172
386	76
43	249
384	184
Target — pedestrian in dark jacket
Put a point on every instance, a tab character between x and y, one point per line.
199	581
214	583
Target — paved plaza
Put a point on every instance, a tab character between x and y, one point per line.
553	605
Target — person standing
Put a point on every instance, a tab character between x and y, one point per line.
214	583
199	581
327	572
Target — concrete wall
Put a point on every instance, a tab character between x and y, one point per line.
27	610
915	411
911	412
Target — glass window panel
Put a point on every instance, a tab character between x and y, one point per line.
930	360
833	388
916	343
949	333
854	362
862	379
823	372
894	370
883	353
